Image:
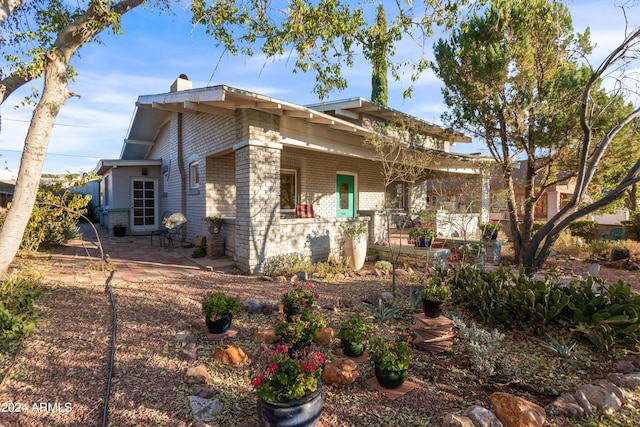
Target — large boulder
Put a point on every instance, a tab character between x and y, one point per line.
341	371
514	411
605	400
230	355
482	417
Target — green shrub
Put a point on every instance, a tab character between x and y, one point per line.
584	228
606	315
16	307
600	249
383	265
619	252
285	264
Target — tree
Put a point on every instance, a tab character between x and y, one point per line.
48	53
524	92
379	44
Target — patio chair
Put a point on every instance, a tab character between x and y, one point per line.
174	225
614	234
163	230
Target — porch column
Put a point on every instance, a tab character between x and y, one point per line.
257	202
486	197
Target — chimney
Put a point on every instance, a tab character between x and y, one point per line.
181	83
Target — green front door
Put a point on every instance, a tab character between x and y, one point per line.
345	206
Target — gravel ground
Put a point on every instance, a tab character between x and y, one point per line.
59	377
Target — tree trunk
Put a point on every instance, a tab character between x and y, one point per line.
54	95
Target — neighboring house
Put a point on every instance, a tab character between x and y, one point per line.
92	188
6	193
554	198
252	159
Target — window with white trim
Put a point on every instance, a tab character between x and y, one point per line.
288	190
194	177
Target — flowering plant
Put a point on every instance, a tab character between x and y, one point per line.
422	230
304	328
435	284
279	377
299	296
354	330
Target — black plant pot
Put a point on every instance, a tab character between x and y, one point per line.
390	379
290	312
350	349
220	325
119	231
432	308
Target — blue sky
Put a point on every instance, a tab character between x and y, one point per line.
155	49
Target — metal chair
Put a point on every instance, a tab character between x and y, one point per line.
614	234
174	225
163	230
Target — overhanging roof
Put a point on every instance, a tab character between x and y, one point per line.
354	108
104	165
153	110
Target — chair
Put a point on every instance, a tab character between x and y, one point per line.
163	230
614	234
305	211
174	225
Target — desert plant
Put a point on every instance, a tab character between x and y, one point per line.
481	345
382	313
383	265
285	264
561	348
352	230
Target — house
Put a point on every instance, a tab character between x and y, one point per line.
7	185
254	160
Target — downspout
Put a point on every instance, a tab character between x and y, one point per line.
183	179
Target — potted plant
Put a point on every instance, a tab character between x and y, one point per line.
435	291
352	332
302	331
422	235
473	253
355	244
490	231
289	389
218	311
200	251
390	360
119	230
296	298
214	223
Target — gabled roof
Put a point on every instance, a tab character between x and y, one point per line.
152	111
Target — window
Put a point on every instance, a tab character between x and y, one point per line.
194	177
288	189
396	195
432	200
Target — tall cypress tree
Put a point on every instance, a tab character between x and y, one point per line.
379	49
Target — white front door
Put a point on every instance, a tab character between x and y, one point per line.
144	201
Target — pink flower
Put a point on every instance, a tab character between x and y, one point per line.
304	365
281	348
257	381
320	358
312	367
272	367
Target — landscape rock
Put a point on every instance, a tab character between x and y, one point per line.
268	307
265	335
451	420
584	403
185	337
198	375
387	297
565	406
230	355
514	411
341	371
203	410
606	401
612	388
631	381
189	352
625	366
302	276
482	417
324	336
251	305
203	391
634	358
